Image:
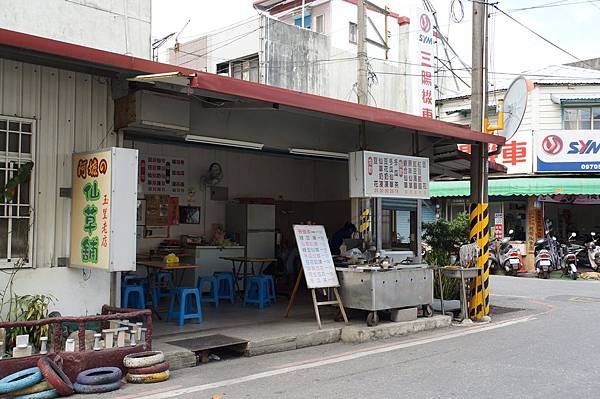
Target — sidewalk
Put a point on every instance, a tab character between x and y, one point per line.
278	334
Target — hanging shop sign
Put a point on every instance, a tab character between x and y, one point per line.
159	174
571	199
103	209
377	174
499	225
315	255
567	151
516	154
422	50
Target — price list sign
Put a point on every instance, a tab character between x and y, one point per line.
376	174
317	262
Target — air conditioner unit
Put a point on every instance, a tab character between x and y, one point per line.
150	110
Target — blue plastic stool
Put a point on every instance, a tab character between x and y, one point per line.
187	298
225	285
161	280
257	291
271	292
138	293
213	295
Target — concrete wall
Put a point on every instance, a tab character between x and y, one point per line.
74	112
119	26
228	43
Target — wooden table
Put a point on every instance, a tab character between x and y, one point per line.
243	263
153	267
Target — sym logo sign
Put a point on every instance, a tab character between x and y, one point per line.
567	151
552	144
425	23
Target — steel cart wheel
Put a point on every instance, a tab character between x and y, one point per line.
427	310
372	319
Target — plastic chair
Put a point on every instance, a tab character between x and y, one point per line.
271	292
225	285
159	292
188	297
135	294
213	295
257	291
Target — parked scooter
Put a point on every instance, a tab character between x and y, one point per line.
504	257
547	253
569	257
593	252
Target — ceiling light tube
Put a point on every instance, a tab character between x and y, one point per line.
318	153
224	142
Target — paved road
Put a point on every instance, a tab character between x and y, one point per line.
549	349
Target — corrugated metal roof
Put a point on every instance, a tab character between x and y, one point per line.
550	75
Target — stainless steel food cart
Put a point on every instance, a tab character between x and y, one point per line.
375	290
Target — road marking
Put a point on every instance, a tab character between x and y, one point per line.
515	296
338	359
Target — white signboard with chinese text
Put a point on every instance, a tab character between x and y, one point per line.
422	53
377	174
567	151
499	225
103	209
317	262
160	174
516	154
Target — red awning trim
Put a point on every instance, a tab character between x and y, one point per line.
240	88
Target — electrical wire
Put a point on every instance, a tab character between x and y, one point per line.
534	32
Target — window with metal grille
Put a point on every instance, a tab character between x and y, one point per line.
16	149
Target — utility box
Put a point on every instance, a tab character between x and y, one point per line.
103	209
377	174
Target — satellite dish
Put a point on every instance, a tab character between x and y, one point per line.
515	103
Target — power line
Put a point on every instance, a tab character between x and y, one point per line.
535	33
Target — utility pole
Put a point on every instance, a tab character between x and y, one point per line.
361	54
479	215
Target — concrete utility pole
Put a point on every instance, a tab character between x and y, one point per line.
361	54
478	212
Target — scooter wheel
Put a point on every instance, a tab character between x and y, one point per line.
574	276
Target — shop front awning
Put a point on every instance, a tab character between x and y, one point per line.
520	186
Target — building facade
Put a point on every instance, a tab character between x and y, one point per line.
122	27
313	49
552	161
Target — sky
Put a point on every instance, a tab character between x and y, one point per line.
571	24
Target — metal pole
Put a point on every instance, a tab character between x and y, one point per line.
478	213
362	82
303	1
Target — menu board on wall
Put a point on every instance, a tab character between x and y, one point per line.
377	174
317	262
162	175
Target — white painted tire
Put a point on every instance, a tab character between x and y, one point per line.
143	359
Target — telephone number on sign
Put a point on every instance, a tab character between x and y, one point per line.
590	166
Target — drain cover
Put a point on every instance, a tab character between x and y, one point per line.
208	342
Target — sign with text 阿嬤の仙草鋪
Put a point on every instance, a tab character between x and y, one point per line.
103	209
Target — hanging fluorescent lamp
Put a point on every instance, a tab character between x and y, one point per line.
224	142
318	153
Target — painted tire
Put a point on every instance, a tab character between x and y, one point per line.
148	378
55	376
48	394
157	368
100	376
82	388
143	359
22	379
39	387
